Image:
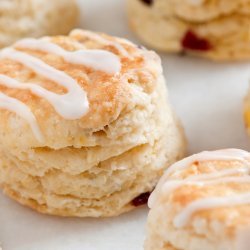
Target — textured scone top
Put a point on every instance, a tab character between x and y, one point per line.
109	80
210	187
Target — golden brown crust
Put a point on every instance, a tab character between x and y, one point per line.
185	194
43	208
216	227
97	165
108	95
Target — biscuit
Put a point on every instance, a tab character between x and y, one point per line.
247	112
35	18
219	30
202	202
86	128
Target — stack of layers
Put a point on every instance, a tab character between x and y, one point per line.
96	165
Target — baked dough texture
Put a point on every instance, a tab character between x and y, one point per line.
97	165
35	18
215	29
202	204
247	112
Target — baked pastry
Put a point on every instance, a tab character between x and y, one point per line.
202	202
216	29
35	18
85	125
247	112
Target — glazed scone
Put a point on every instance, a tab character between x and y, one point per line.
86	128
35	18
202	202
216	29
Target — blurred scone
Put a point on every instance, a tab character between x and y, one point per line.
217	29
35	18
247	112
85	124
202	202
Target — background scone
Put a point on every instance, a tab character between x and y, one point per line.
35	18
247	112
217	29
85	125
202	202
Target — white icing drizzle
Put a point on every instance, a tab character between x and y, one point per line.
72	105
97	59
234	175
208	203
23	111
221	173
102	40
205	179
218	155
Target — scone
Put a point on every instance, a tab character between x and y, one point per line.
216	29
247	112
85	124
35	18
202	202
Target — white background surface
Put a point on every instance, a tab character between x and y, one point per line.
207	97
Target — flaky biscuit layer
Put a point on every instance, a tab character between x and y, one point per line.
98	164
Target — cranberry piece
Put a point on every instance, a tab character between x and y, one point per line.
141	199
192	41
148	2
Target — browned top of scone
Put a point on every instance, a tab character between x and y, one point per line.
211	187
108	94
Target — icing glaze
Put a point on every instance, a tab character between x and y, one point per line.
23	111
218	155
96	59
102	40
204	180
72	105
226	154
233	175
183	217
